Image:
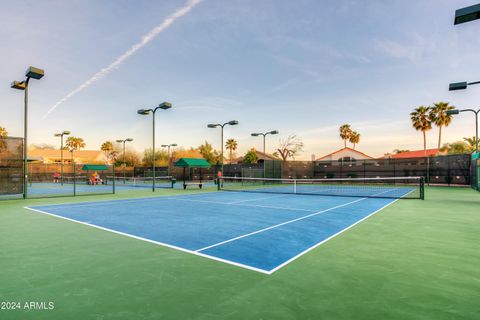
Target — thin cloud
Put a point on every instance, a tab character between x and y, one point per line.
133	49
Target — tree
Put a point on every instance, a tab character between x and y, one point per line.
397	151
42	146
74	143
438	115
457	147
250	157
111	153
471	143
161	158
354	138
290	147
3	135
421	122
345	133
231	145
209	154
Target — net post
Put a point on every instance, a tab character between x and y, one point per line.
295	186
218	183
422	188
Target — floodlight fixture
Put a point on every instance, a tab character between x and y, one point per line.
34	73
233	122
19	85
274	132
256	134
467	14
119	141
165	105
143	111
213	125
453	112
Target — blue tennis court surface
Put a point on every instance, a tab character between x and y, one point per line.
259	231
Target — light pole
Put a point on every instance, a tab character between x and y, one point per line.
63	133
214	125
256	134
168	154
124	163
456	111
31	73
164	106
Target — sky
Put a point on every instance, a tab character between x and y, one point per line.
301	67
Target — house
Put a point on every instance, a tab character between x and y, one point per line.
79	156
345	154
415	154
261	157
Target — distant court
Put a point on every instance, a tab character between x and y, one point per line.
257	231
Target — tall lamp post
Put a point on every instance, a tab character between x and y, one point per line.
215	125
124	162
256	134
456	111
31	73
168	153
63	133
163	106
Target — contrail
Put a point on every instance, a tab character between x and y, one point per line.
117	62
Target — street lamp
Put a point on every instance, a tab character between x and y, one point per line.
467	14
63	133
124	163
456	111
164	106
168	154
31	73
264	135
215	125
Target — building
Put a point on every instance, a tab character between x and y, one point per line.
261	157
345	154
415	154
79	156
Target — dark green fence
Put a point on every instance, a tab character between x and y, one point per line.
11	168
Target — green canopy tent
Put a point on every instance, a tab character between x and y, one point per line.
192	163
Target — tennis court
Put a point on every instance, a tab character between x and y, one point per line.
258	231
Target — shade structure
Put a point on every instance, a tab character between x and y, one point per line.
94	167
192	163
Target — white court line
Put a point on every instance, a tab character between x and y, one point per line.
279	225
153	241
264	198
242	205
329	238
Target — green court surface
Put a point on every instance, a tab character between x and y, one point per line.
413	260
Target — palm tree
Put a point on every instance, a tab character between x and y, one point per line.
421	122
354	138
231	145
438	115
345	133
74	143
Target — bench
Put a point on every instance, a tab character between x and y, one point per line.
192	183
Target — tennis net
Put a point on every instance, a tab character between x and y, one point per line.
394	188
142	182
